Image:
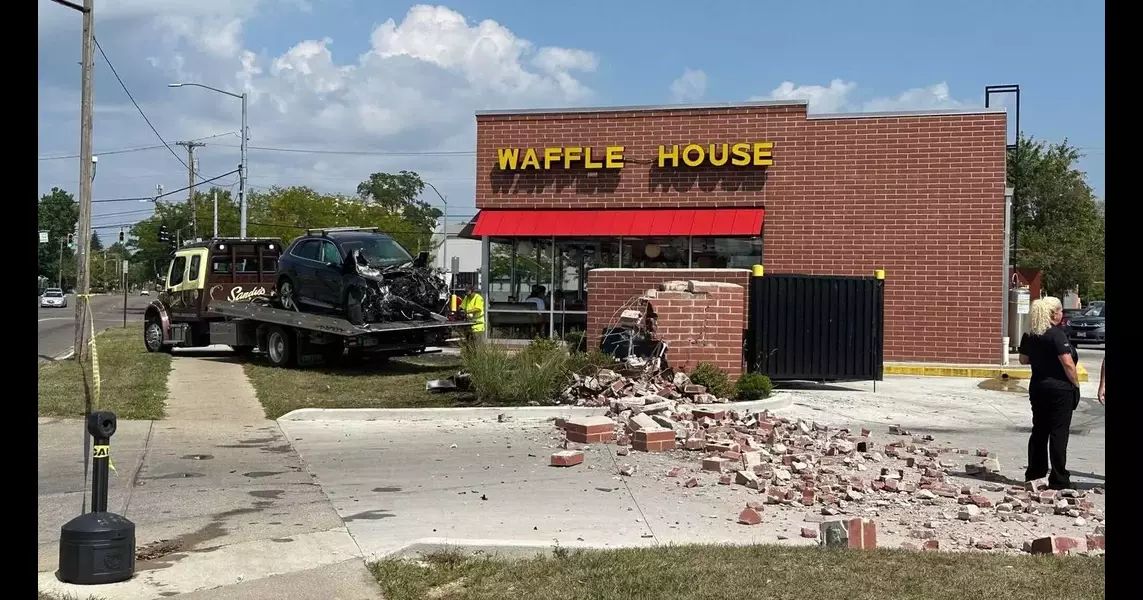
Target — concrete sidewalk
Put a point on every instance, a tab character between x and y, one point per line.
218	496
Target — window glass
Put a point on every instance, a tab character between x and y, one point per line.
220	265
308	249
269	265
655	253
726	253
195	263
378	250
177	271
330	253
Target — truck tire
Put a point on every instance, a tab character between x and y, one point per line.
281	347
153	336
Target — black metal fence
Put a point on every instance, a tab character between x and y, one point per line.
816	327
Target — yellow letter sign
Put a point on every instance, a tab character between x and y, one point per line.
553	157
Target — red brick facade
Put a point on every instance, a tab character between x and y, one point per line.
718	342
919	196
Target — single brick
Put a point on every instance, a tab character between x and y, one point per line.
749	516
567	458
1054	545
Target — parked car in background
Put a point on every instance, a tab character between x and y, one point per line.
1089	327
1069	313
53	298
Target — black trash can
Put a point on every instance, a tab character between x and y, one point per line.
97	548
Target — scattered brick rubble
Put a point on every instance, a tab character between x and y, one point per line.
842	476
636	381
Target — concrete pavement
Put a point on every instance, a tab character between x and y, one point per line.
56	334
218	496
488	483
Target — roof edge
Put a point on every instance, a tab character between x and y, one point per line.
908	113
639	108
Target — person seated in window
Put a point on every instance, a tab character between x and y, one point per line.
536	296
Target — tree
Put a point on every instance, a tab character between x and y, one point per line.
96	243
399	195
58	214
1057	222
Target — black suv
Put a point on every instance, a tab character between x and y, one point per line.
359	273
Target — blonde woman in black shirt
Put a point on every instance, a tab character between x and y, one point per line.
1053	392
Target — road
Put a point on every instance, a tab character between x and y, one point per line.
56	334
1091	357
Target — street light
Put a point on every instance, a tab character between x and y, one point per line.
245	134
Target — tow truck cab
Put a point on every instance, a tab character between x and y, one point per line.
219	269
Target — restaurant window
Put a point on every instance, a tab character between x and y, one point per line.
655	253
726	253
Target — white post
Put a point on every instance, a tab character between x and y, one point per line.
215	213
1006	341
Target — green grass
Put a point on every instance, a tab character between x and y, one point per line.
756	572
54	596
397	384
133	381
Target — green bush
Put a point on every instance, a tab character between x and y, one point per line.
576	341
714	379
502	377
753	386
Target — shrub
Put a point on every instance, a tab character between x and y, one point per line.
501	377
714	379
576	341
753	386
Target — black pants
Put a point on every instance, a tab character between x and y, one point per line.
1051	421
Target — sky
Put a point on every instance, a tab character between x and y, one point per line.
339	89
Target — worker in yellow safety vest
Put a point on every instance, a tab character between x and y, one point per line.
473	308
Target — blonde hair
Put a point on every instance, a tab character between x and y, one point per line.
1040	314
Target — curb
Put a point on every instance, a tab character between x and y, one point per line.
494	547
778	401
1017	372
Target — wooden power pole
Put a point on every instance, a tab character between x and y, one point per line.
190	146
83	244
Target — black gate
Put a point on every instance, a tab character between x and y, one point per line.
816	327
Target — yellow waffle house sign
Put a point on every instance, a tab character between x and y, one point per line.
740	154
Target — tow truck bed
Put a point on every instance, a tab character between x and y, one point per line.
321	323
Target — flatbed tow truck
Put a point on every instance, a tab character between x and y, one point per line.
221	291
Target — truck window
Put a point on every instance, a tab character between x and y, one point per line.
195	263
269	265
220	265
177	270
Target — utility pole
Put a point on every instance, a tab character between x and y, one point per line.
216	213
190	146
86	166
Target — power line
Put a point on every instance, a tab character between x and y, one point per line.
356	152
164	194
129	150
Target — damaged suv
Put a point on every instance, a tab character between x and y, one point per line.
358	273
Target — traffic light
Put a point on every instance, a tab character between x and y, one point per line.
71	241
164	235
120	236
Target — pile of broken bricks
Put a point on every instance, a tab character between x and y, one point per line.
851	481
635	381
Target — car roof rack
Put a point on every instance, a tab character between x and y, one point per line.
325	230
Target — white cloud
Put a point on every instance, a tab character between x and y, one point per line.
836	97
414	88
689	87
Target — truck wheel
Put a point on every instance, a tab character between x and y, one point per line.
153	336
280	347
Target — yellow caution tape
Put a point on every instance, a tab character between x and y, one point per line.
103	452
95	380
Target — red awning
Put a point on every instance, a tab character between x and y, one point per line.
664	222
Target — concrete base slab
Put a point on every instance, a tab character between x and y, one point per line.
224	566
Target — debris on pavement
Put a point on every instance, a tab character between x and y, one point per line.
567	458
635	381
854	485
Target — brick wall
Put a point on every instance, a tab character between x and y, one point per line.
609	289
919	196
699	322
